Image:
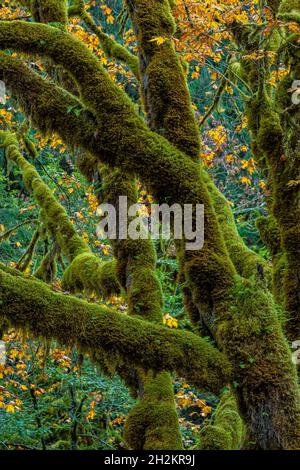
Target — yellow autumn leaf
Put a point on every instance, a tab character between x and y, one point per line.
158	40
170	321
262	184
10	408
110	19
246	181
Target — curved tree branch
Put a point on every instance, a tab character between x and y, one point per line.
32	305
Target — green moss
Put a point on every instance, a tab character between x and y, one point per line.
246	261
30	304
227	430
149	423
289	6
123	139
50	11
270	234
281	231
88	273
136	263
30	147
165	91
265	376
270	135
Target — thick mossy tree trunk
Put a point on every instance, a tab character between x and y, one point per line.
240	314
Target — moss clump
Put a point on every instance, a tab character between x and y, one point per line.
227	430
149	423
50	11
88	273
31	148
265	378
270	134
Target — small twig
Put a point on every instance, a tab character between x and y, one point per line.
24	446
25	17
11	230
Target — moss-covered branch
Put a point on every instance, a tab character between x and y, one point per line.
275	145
50	108
164	87
136	263
31	305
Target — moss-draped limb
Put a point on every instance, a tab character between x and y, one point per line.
86	271
135	267
124	139
271	237
136	259
169	112
164	87
50	108
227	430
209	282
165	95
111	48
275	138
150	307
32	305
287	178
